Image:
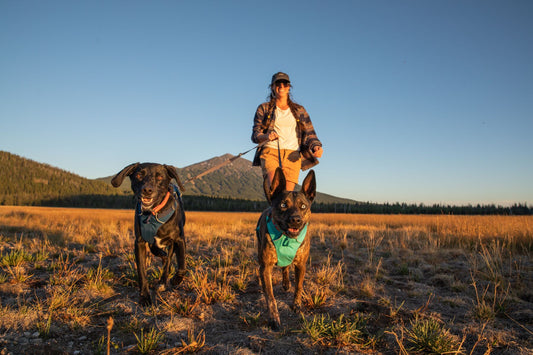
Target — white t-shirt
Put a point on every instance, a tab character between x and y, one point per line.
285	127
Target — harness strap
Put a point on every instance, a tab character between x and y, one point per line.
149	223
286	247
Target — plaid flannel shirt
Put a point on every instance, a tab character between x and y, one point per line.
307	139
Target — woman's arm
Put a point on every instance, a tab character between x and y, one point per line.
310	138
257	130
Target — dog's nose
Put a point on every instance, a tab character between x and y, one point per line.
295	219
147	190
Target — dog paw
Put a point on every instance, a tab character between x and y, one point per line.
296	307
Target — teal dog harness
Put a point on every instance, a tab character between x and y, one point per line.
285	247
149	223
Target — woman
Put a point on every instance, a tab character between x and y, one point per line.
286	129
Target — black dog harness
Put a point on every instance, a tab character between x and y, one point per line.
150	221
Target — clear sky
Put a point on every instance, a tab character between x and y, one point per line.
414	101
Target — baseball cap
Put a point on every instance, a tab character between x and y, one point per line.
280	76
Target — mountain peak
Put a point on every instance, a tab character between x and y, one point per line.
236	179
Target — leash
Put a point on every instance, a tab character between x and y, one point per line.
226	162
279	156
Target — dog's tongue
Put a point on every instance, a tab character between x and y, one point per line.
146	200
293	230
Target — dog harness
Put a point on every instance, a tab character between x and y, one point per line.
149	222
286	247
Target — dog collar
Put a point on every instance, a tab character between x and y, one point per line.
161	205
286	247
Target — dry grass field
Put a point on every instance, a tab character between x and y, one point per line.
376	284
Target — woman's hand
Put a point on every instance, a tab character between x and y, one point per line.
317	151
272	136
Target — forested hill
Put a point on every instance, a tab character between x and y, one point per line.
26	182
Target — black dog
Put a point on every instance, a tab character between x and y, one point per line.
159	220
281	235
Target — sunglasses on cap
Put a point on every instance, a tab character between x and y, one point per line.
282	82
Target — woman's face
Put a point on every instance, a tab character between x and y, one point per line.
282	88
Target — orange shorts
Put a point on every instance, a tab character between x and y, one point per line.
290	162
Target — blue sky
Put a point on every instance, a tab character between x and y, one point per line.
414	101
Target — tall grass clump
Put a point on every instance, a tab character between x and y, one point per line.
96	278
211	286
488	304
146	342
428	336
339	332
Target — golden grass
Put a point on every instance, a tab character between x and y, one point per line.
77	225
67	271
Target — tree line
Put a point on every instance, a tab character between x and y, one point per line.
404	208
206	203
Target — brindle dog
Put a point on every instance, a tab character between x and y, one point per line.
290	212
151	184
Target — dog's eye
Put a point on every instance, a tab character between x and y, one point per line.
303	206
159	178
283	205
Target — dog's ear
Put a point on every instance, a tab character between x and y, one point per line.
127	171
173	173
278	184
309	186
